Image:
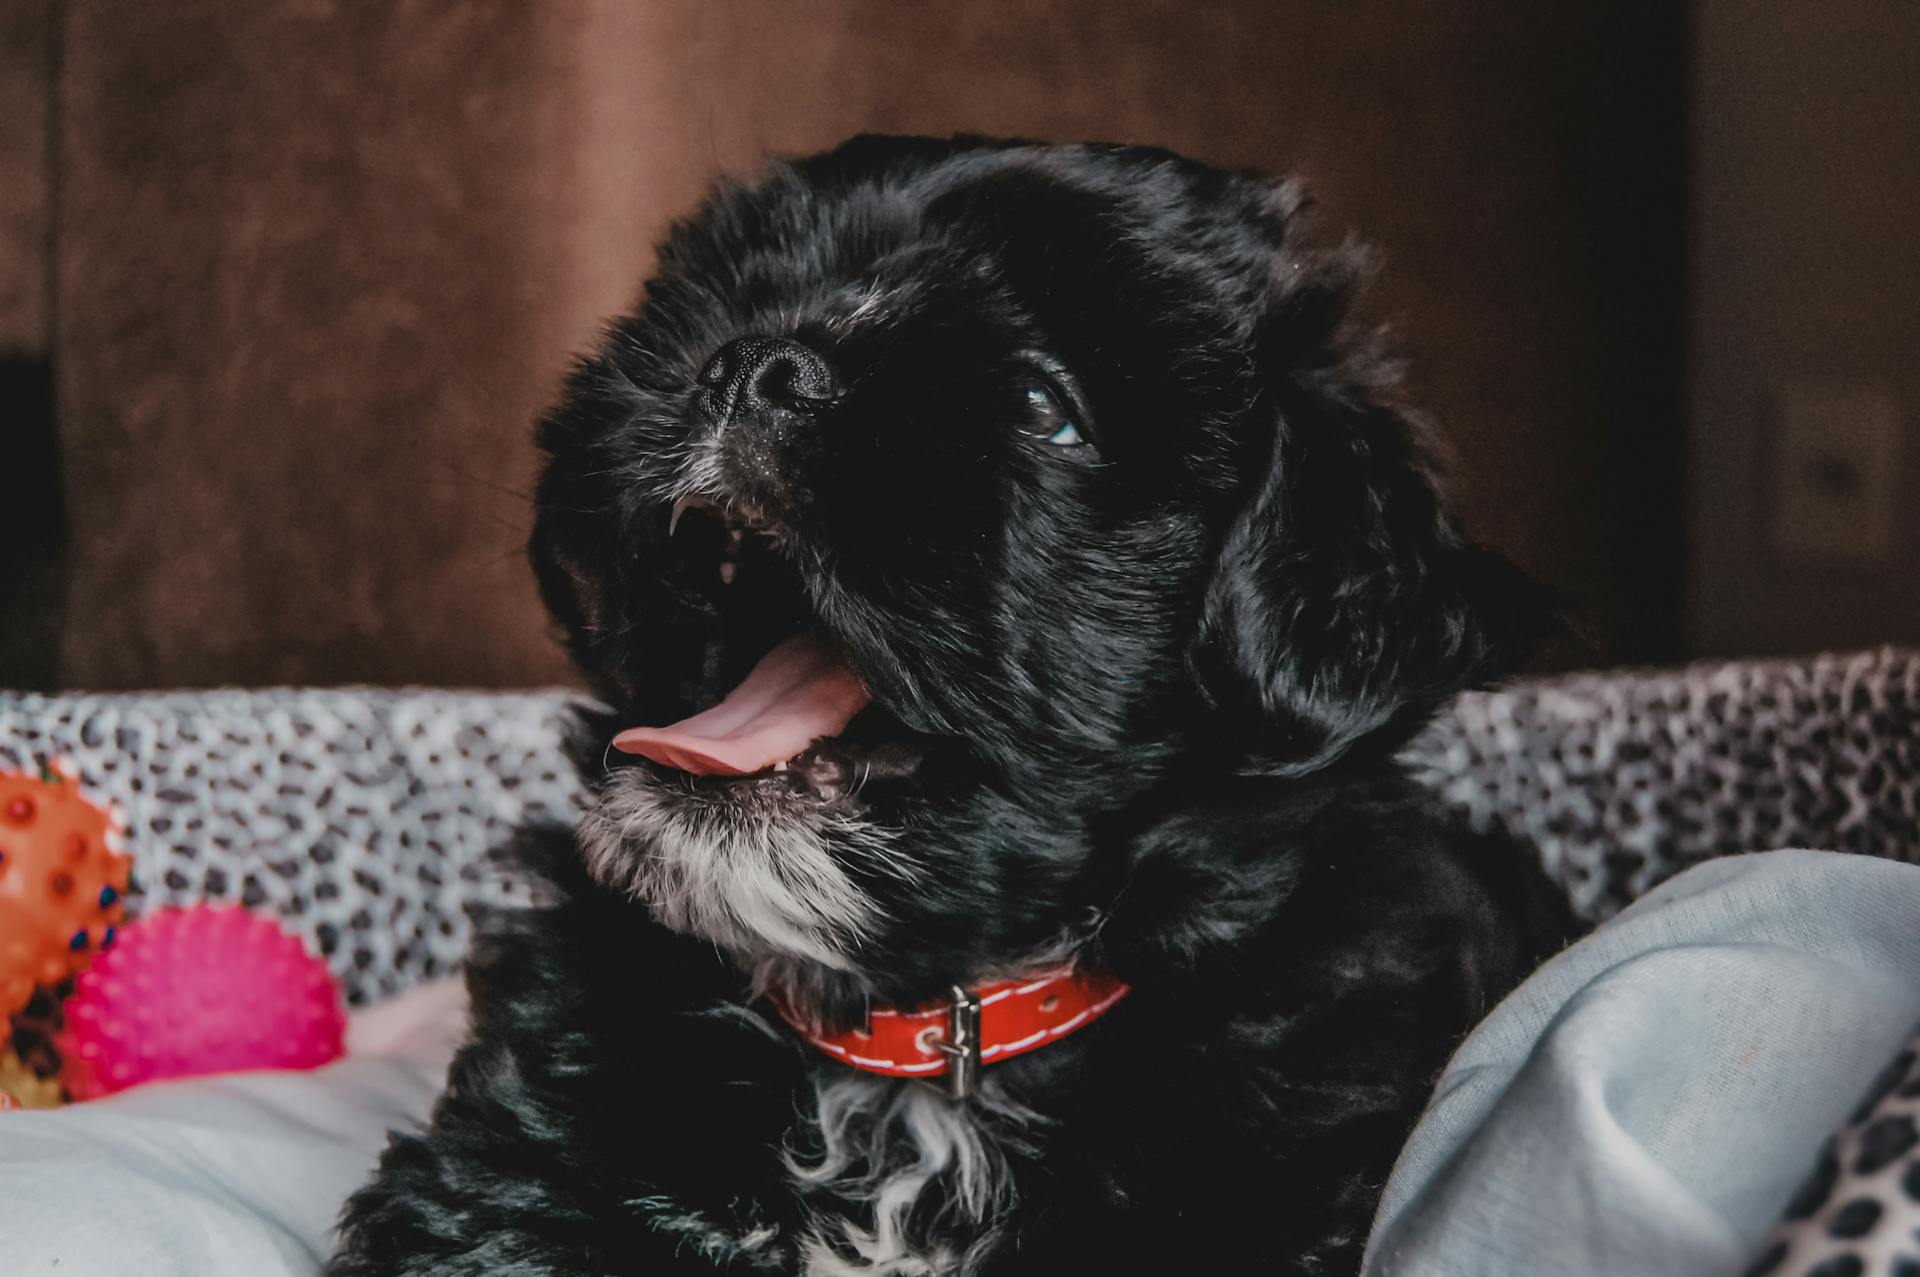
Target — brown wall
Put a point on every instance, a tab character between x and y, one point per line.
321	265
1808	178
312	290
26	99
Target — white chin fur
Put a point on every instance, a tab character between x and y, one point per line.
752	871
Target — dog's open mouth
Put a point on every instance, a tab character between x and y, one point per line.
800	713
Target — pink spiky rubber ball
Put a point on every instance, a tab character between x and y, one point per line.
206	989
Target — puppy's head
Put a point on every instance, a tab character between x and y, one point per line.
946	499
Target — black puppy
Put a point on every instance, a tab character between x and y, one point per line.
1023	580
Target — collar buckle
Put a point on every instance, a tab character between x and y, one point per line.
961	1045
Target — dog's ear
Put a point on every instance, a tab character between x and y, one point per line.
1344	603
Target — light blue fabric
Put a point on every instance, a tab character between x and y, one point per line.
234	1176
1649	1100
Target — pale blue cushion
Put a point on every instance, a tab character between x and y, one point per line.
235	1176
1649	1100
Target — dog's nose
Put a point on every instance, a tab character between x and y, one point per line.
754	374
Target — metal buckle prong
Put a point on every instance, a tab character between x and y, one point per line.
962	1044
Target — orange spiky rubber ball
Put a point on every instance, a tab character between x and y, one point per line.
187	992
62	879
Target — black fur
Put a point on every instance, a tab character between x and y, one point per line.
1143	695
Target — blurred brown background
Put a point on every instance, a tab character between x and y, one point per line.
284	282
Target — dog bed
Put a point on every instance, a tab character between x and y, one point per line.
363	819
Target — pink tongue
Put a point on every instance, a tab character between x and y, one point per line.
794	696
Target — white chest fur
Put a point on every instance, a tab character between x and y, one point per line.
919	1182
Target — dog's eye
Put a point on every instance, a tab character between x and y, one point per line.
1052	421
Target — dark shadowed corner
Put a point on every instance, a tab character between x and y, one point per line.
33	522
33	530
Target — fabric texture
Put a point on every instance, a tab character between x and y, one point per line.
1649	1100
1858	1210
1623	778
233	1176
364	818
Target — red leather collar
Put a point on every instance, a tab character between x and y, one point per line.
953	1039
